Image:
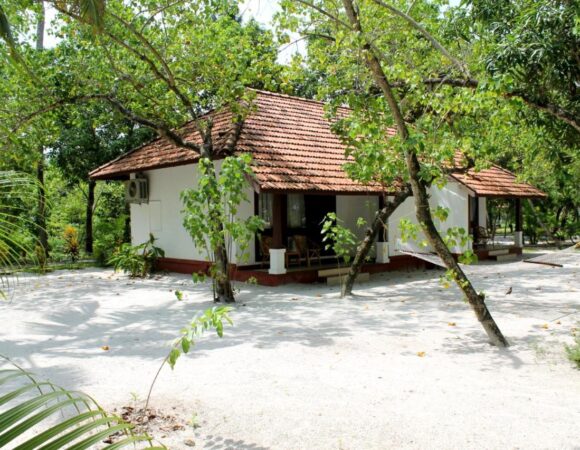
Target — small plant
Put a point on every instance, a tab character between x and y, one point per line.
573	352
139	260
41	258
340	239
212	318
71	243
194	422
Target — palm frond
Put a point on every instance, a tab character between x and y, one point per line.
93	12
36	414
17	240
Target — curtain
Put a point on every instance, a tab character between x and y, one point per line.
296	211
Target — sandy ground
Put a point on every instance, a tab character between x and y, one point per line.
304	369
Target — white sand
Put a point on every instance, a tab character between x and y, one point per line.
303	369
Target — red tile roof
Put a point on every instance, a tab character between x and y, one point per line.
497	182
291	143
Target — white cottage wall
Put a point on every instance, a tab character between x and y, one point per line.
350	207
163	218
453	196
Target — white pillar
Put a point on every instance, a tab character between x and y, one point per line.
519	239
383	252
277	261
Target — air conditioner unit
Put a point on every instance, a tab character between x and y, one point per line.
137	191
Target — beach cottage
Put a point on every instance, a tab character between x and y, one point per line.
298	162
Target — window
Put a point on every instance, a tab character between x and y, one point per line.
296	211
265	205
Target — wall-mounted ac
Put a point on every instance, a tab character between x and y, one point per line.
137	191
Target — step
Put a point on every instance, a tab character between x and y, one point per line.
333	272
498	252
508	257
363	276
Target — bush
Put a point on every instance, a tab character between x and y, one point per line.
137	261
573	352
109	235
71	243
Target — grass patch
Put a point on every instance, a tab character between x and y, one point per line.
573	352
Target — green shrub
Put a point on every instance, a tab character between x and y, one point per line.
573	352
109	235
137	261
72	246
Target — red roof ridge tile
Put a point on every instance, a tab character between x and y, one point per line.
296	98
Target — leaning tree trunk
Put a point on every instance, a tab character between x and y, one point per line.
424	217
371	234
422	209
89	217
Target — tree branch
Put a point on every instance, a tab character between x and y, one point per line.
541	105
162	129
434	42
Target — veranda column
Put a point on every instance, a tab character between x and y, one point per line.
278	250
475	219
519	234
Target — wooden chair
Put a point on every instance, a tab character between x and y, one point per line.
306	249
265	245
293	252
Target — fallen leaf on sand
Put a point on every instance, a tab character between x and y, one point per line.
451	324
545	326
105	348
420	354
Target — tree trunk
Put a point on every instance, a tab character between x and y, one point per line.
224	292
41	213
372	232
423	212
89	217
422	209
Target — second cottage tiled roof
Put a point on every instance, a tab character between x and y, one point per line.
293	149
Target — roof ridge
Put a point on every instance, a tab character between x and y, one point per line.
296	97
291	97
